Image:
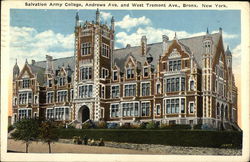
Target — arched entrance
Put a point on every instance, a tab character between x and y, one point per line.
83	114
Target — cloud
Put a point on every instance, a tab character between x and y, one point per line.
105	15
128	22
133	39
227	35
28	43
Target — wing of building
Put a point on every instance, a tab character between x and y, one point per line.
179	81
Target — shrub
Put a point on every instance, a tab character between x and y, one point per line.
10	128
197	126
125	126
173	126
151	125
101	125
135	126
112	125
142	125
86	126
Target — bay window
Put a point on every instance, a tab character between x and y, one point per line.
130	90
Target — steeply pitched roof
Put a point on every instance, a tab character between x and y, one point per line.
39	71
191	45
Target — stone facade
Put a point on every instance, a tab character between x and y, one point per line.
179	81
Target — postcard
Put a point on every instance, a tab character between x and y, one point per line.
119	81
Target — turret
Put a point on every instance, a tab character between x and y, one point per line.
112	24
97	16
77	20
144	45
207	43
16	71
228	55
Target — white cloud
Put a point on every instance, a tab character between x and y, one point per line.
226	35
105	15
28	43
128	22
236	52
153	35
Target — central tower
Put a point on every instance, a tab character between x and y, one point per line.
94	44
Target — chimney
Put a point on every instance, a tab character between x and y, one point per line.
220	30
49	64
164	43
144	45
112	23
128	46
33	62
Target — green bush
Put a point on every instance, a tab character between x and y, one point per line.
151	125
10	128
197	126
175	127
86	126
195	138
101	125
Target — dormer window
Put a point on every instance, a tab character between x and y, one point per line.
105	50
145	72
207	46
115	75
26	83
174	65
49	83
130	73
61	81
85	48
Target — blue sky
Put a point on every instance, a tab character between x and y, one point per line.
36	33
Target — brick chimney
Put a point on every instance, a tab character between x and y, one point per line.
144	45
49	68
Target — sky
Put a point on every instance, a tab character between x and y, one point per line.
36	33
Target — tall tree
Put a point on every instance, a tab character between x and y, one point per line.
26	130
48	133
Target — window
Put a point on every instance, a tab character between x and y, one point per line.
174	65
50	97
24	113
182	105
115	91
207	45
71	94
49	113
115	75
59	113
158	109
62	81
145	89
62	96
25	97
49	83
130	73
182	84
85	73
15	101
191	107
85	91
158	88
146	72
104	73
173	84
85	48
130	109
191	85
102	91
173	105
26	83
145	108
115	110
130	90
105	50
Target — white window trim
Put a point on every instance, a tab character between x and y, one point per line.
105	76
26	111
64	113
104	95
62	91
108	47
102	115
111	90
113	75
126	71
165	102
80	74
149	108
156	92
87	90
53	96
141	88
119	111
144	72
129	84
81	48
139	109
156	109
191	102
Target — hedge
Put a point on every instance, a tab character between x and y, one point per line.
195	138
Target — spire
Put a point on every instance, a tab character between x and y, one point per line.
26	61
77	19
97	16
16	70
228	52
112	23
207	31
220	30
175	36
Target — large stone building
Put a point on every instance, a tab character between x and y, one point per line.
179	81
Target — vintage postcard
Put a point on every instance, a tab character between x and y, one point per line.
119	81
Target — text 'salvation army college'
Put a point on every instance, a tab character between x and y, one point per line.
177	81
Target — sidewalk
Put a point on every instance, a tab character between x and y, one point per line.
39	147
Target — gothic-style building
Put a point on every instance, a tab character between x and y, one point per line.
179	81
